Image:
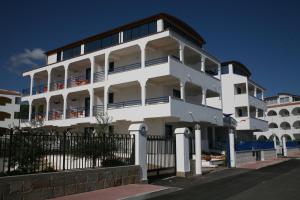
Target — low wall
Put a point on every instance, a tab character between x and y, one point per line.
50	185
243	157
293	151
269	154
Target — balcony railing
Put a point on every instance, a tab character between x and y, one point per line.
98	110
99	76
40	89
124	104
78	81
57	85
160	60
157	100
38	116
125	68
55	115
25	92
79	112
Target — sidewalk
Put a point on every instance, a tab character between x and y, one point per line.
114	193
261	164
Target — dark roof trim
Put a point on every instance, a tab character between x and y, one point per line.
9	92
171	19
239	64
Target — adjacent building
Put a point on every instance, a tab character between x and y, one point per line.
9	109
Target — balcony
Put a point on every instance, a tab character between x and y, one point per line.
40	89
78	81
57	85
79	112
99	76
246	123
124	104
98	110
125	68
55	115
257	102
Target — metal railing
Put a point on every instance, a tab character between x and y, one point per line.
124	104
157	100
26	152
125	68
55	115
40	116
40	89
99	76
79	112
98	110
78	81
157	61
57	85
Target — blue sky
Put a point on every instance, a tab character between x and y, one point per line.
264	35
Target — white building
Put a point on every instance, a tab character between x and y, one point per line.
283	115
153	70
9	108
243	99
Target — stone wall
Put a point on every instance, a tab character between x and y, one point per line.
50	185
243	157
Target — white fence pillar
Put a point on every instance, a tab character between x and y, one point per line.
231	148
198	149
284	146
139	130
182	151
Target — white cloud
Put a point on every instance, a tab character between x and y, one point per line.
26	60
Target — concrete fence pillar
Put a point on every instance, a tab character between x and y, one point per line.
284	149
231	148
198	149
182	151
139	130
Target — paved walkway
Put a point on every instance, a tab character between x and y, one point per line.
261	164
120	192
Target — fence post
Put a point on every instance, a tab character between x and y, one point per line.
198	149
9	150
64	150
139	130
284	146
231	148
182	152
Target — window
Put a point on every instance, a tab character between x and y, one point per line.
111	97
17	100
110	40
239	71
111	66
284	100
92	46
225	69
72	52
139	31
176	93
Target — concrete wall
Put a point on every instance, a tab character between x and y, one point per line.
244	157
269	154
293	151
50	185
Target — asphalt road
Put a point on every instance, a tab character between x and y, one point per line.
281	181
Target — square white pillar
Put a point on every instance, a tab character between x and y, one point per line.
231	148
182	151
198	149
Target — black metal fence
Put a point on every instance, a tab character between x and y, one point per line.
161	155
24	152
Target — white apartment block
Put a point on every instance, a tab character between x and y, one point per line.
153	70
283	115
9	109
243	99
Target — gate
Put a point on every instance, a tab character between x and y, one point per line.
161	156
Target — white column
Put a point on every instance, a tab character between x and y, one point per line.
182	151
275	144
182	90
106	89
92	69
66	76
143	55
181	53
65	106
106	63
284	146
203	63
198	149
139	130
30	111
219	71
231	148
256	109
91	91
204	97
160	25
143	93
31	84
47	108
49	80
255	91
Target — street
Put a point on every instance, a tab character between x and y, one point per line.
281	181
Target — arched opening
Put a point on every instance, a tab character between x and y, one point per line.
273	125
275	137
287	137
158	51
296	124
57	78
40	82
272	113
211	67
296	111
285	126
284	113
56	107
79	73
39	107
193	94
4	101
78	104
4	115
124	59
262	138
192	58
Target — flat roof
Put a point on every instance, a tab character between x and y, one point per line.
238	64
166	17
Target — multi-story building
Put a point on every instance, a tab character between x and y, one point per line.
9	109
153	70
243	99
283	115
